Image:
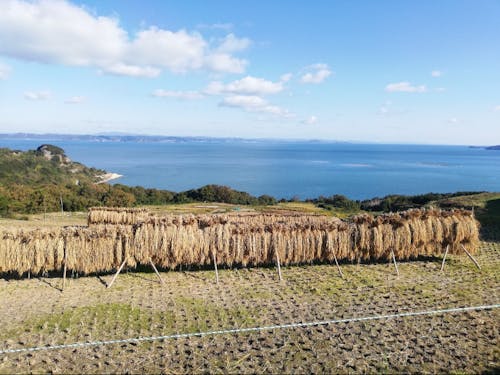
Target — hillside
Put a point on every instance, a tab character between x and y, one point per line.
36	181
47	164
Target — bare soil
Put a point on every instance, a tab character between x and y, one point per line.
36	313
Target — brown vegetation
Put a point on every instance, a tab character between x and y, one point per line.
115	235
115	215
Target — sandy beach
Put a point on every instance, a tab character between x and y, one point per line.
108	177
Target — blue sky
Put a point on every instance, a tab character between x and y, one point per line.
369	71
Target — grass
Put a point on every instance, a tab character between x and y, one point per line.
187	314
486	207
50	219
103	317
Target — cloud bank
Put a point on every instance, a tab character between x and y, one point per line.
58	32
404	87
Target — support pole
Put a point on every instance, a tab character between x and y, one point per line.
394	260
216	270
444	258
279	266
471	257
65	268
116	274
157	273
338	267
62	206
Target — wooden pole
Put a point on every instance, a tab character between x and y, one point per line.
62	206
338	267
394	260
65	268
157	273
216	270
444	258
116	274
279	266
471	257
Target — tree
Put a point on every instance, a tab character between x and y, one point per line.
118	198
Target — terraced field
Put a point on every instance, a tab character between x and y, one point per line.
35	313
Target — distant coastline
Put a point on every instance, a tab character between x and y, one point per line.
496	147
141	138
136	138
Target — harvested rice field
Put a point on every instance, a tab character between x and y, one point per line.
36	313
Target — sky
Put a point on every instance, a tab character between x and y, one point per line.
367	71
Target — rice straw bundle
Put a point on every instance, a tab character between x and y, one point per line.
116	235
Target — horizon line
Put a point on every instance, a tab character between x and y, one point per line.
261	139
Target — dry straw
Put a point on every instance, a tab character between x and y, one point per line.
115	215
115	235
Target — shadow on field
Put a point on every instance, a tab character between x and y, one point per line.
146	273
492	370
489	217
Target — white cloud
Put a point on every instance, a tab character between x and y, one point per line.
75	100
59	32
316	73
497	108
185	95
404	87
225	63
246	86
132	70
286	77
440	89
311	120
436	73
37	95
453	120
178	51
253	103
231	43
4	71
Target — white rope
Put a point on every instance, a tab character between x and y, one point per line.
252	329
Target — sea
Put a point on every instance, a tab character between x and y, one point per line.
287	169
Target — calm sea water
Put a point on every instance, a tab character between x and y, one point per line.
287	169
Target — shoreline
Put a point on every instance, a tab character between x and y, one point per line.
108	177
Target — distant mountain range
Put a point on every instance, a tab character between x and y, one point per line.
136	138
111	137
